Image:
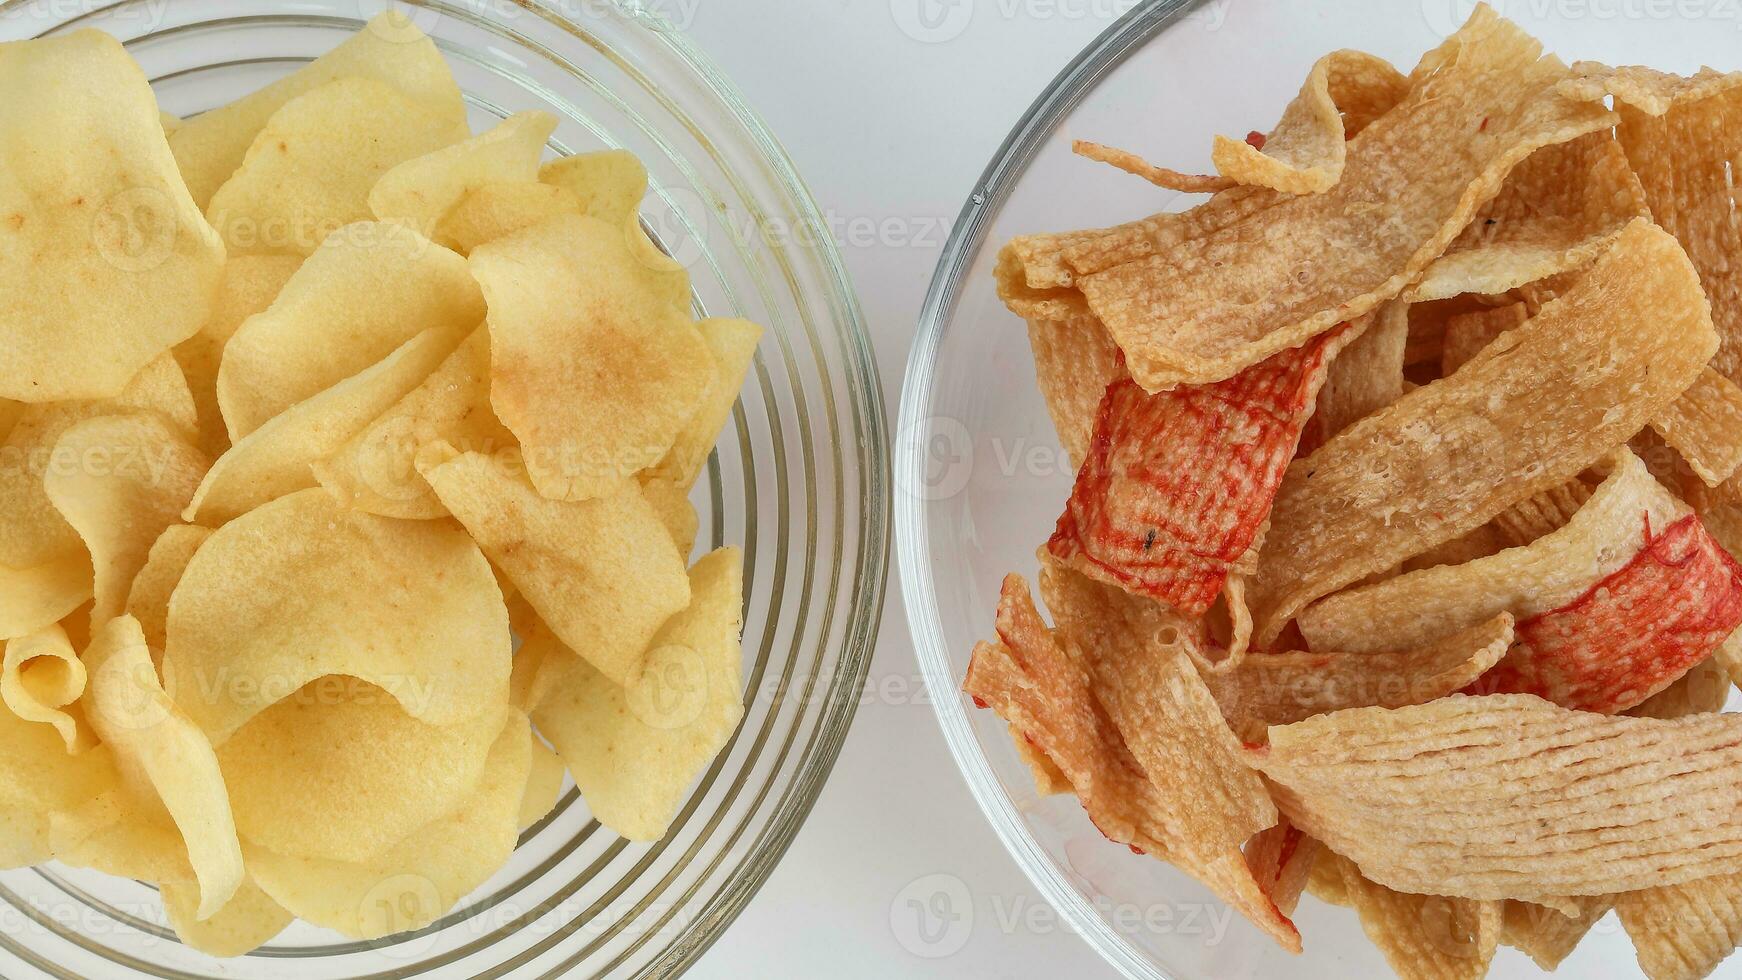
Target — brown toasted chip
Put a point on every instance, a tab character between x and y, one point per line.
1467	333
1364	378
1136	166
1424	937
1705	426
1682	932
1508	796
1281	688
1210	306
1528	413
1282	859
1547	935
1543	514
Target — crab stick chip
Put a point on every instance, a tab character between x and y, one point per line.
636	749
603	573
340	770
1281	860
33	532
501	208
162	754
248	921
107	260
211	146
1177	484
1537	517
1549	935
1508	796
1528	413
1364	378
1157	768
1682	932
1467	333
1557	211
1416	608
278	458
1703	424
1424	936
1633	633
423	189
416	880
1164	177
1074	361
136	475
595	365
731	345
1702	690
148	597
42	681
1048	780
375	471
251	283
410	606
377	285
1211	306
608	184
1267	689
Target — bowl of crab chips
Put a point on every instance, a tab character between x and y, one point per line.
344	506
1398	566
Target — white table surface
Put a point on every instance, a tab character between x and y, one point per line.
896	874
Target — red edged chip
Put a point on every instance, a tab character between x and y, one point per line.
1177	484
1632	634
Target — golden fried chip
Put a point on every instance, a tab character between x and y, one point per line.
34	598
163	755
418	879
376	285
1534	518
1646	89
339	770
375	471
1528	413
672	503
1467	333
1424	937
1364	378
248	921
1136	166
1508	796
1209	306
1048	780
609	184
300	588
594	367
635	749
1282	860
166	562
501	208
211	146
251	283
277	458
423	189
1703	424
42	681
1682	932
105	261
122	833
1547	935
544	783
603	573
1421	606
1267	689
731	345
1074	362
134	477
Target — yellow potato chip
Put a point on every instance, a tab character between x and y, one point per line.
375	470
1540	575
340	771
1528	413
42	681
277	458
148	596
423	189
603	573
501	208
635	749
104	259
134	476
25	838
1509	796
594	368
162	755
248	921
1210	306
1424	937
544	784
210	146
124	834
1281	688
410	606
251	283
377	285
732	346
672	503
418	879
37	597
609	184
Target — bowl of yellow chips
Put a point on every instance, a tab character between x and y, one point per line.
1318	486
441	492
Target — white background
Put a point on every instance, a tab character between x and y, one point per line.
891	131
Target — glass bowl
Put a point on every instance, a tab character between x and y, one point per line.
799	480
980	477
